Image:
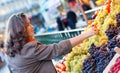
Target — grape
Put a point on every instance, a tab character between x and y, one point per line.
111	31
92	50
113	42
118	30
118	19
118	44
112	53
89	65
94	16
101	57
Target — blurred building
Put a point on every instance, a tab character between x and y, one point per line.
40	11
8	7
37	10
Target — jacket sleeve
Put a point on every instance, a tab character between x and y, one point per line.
48	52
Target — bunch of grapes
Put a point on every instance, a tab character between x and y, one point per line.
99	54
115	41
111	32
102	58
112	43
118	23
93	49
118	30
118	19
89	65
118	44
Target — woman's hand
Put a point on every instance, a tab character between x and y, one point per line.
92	31
76	40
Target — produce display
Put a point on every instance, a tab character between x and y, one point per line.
104	53
95	53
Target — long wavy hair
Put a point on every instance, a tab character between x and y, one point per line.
16	36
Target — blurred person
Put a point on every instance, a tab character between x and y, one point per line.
60	24
38	22
36	28
42	20
61	21
26	55
85	5
71	15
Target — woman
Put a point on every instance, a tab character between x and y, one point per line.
26	55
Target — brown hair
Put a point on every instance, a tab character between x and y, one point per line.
16	36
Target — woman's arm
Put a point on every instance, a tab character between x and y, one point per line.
48	52
76	40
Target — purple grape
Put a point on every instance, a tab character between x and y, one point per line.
94	16
118	19
111	32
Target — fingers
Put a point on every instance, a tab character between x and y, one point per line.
95	30
92	31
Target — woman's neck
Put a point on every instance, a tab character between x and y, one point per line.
31	39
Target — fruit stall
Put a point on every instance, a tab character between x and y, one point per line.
95	54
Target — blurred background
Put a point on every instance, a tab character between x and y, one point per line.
42	13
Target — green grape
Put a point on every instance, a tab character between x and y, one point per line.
78	68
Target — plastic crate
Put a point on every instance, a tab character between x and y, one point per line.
55	37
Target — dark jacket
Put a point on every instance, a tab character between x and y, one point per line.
37	58
72	16
86	7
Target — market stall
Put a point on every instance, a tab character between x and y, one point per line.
95	53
